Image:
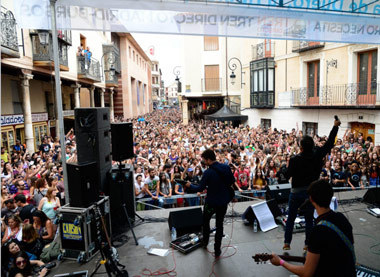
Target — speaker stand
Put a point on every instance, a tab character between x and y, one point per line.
129	223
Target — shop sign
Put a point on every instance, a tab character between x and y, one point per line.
19	118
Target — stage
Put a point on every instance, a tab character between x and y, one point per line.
200	263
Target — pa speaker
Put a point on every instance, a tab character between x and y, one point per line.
84	185
90	119
372	196
121	191
186	221
122	141
279	192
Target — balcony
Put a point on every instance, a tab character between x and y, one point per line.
263	50
43	54
211	84
111	59
262	100
361	95
88	69
302	45
9	43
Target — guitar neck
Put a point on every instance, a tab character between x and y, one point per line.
296	259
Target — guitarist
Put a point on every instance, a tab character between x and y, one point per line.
330	251
217	179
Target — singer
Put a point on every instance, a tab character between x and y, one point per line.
216	179
305	168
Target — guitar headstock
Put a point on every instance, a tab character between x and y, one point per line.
262	257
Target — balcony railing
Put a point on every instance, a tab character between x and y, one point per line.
43	54
211	84
348	95
302	45
263	50
88	68
9	43
262	100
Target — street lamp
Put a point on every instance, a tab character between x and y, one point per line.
177	73
111	61
43	36
232	65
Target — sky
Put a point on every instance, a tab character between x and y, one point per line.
168	50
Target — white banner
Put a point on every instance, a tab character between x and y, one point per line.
19	118
189	18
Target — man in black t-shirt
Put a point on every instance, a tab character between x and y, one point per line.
329	253
26	210
44	147
338	176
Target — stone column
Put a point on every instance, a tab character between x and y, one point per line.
185	112
28	126
112	115
76	87
92	99
102	90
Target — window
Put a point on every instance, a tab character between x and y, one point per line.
310	128
212	80
17	104
262	82
266	123
7	138
211	43
313	82
367	71
130	52
40	131
134	57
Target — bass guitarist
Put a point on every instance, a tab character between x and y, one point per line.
330	250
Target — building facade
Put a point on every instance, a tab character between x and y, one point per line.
28	106
206	82
156	83
307	83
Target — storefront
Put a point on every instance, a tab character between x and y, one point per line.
12	128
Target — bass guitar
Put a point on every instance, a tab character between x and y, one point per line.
263	257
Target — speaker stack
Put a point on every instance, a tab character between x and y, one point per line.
88	177
121	188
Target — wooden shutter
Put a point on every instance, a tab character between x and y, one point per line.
211	43
212	81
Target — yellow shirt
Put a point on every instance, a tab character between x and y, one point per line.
4	157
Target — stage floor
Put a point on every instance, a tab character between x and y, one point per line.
201	263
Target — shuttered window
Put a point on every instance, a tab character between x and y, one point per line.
211	43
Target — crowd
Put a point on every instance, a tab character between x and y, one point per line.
167	155
167	152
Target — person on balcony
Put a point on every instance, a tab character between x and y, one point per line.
87	55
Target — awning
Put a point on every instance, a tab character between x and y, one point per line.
226	114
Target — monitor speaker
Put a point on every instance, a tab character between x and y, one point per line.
84	185
122	141
186	221
372	196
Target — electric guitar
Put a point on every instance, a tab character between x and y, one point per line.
112	257
263	257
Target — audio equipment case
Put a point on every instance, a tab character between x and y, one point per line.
79	230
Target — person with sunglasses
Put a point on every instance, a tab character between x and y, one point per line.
22	266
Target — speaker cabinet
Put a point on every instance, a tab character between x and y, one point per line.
372	196
90	119
122	141
84	185
186	221
121	191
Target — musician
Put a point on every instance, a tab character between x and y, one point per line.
305	168
216	179
330	251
